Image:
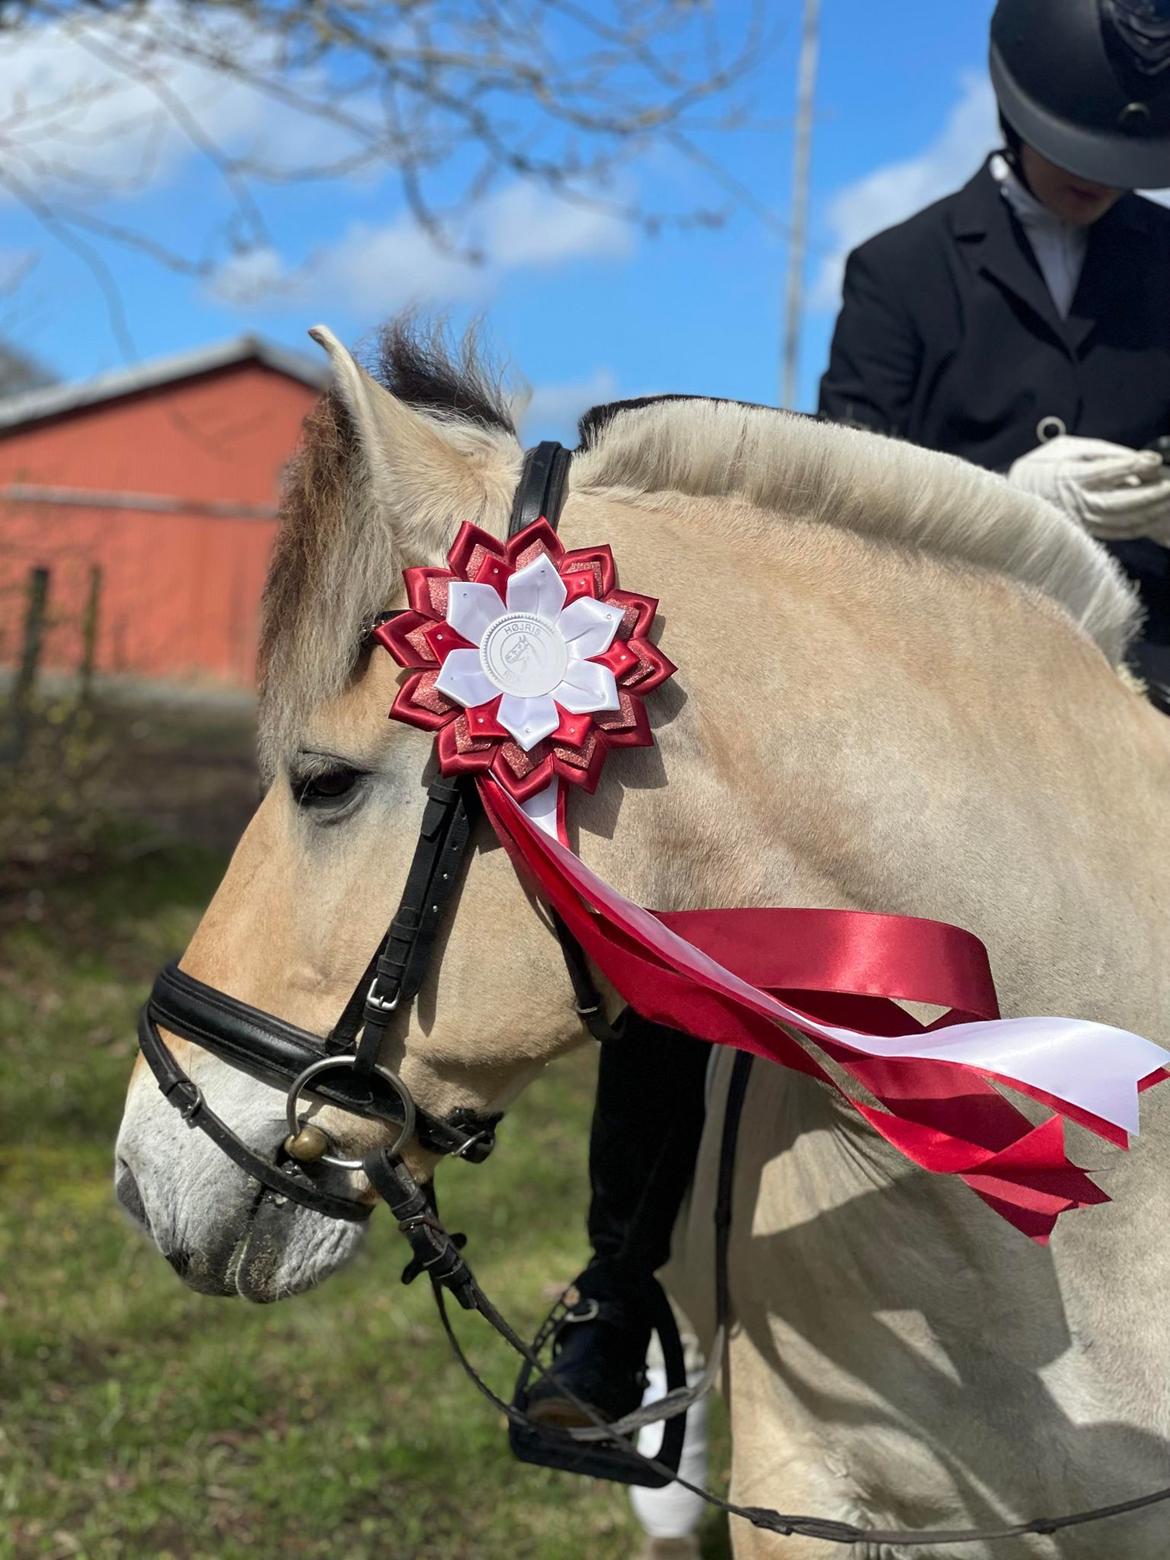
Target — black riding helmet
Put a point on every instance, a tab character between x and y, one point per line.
1087	83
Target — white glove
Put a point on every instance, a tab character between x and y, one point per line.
1115	493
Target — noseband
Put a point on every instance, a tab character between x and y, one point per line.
343	1069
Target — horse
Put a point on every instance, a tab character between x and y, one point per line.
901	688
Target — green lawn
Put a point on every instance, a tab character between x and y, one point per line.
139	1419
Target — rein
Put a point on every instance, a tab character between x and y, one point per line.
343	1070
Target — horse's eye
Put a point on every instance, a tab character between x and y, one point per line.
321	790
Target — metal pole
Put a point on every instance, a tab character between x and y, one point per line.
805	97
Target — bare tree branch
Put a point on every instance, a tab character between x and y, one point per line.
443	94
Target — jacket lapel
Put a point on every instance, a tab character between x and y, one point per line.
995	244
1116	273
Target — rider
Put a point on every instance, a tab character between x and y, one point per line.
1024	321
1024	324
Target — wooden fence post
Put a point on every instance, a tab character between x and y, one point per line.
89	633
32	644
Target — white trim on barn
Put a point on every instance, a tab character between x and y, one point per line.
31	405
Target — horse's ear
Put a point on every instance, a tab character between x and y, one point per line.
422	483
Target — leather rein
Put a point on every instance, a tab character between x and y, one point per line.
344	1070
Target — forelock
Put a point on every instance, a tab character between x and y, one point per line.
334	565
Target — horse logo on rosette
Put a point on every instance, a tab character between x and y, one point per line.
518	652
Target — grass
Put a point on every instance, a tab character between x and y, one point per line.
140	1419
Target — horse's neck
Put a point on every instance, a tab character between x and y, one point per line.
856	726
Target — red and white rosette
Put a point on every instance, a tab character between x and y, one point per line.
527	661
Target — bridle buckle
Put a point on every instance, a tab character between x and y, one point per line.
380	1003
191	1096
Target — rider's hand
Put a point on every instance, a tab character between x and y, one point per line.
1116	493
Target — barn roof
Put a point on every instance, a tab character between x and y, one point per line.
53	400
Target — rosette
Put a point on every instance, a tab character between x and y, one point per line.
527	661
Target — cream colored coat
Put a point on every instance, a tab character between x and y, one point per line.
897	691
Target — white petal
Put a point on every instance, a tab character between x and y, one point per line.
588	626
528	719
587	687
471	608
538	589
462	678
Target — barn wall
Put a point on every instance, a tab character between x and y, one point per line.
181	589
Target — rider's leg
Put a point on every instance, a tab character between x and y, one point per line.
647	1122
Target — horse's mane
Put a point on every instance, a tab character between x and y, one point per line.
878	487
801	468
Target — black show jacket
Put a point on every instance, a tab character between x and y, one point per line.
948	337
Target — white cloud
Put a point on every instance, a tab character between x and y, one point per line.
891	193
386	268
252	274
554	409
379	270
103	98
526	225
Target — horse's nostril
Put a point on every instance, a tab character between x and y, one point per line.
127	1193
180	1261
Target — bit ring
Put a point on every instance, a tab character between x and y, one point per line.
326	1064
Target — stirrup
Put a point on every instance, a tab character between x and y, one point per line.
616	1459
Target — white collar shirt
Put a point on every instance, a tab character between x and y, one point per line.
1059	246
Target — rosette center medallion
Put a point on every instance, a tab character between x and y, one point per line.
523	655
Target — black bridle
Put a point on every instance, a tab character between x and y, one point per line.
344	1070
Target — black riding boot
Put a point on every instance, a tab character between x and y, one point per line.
647	1122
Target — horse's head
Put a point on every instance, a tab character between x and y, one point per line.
380	484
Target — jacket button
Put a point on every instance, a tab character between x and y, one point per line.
1049	428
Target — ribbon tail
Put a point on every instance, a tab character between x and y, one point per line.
936	1103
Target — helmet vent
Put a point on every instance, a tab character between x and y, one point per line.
1137	36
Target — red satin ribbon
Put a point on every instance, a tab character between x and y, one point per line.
845	968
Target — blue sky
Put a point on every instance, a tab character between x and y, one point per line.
584	306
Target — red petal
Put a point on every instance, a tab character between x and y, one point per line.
458	757
426	696
639	611
534	776
427	591
407	709
636	733
573	729
599	561
441	639
619	658
654	668
405	643
534	539
462	559
580	582
583	769
495	572
483	725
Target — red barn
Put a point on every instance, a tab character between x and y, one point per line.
164	476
